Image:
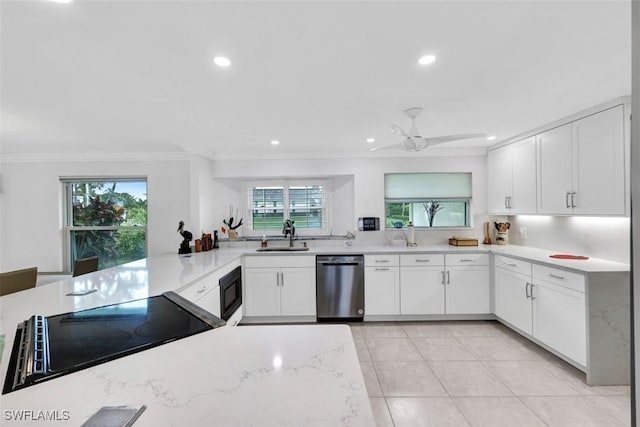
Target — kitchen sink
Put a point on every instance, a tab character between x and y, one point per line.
283	249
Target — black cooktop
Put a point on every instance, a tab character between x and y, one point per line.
48	347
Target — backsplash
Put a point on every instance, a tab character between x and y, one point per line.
598	237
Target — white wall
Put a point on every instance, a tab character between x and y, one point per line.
32	206
597	237
368	186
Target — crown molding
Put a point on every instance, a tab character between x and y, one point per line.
92	157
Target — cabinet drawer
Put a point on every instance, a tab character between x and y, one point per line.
559	277
201	288
381	260
278	261
467	259
422	259
512	264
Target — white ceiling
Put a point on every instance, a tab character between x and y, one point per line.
321	77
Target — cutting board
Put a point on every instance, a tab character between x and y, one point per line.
568	256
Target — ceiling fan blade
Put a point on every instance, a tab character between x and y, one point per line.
391	147
397	130
448	138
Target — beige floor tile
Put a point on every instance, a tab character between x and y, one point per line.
390	330
570	411
477	328
497	412
578	380
411	379
381	414
392	350
526	378
441	349
371	379
427	329
501	348
362	350
468	379
425	412
617	406
356	331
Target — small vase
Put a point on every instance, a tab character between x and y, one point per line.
233	234
502	238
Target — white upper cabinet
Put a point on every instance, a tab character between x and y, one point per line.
581	166
512	178
599	173
555	174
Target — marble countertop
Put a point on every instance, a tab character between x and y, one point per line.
295	375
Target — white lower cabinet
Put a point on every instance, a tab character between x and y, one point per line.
445	284
382	290
559	314
468	290
512	299
545	303
422	290
279	291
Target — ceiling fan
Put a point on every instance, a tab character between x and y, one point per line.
414	142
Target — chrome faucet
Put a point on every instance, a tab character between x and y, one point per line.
290	230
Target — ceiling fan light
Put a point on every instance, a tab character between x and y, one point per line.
427	59
491	138
222	61
371	140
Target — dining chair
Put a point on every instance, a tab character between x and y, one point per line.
85	265
18	280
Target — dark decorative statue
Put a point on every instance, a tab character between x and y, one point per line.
185	247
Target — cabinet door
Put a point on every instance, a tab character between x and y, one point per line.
262	292
512	299
599	168
523	197
297	292
381	290
555	171
211	301
499	165
467	290
422	290
559	319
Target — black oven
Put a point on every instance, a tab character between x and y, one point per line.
230	293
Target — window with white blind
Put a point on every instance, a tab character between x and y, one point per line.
429	200
270	202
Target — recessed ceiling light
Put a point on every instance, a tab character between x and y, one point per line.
427	59
61	1
372	149
275	142
491	138
370	140
221	61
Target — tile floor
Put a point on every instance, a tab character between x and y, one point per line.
476	373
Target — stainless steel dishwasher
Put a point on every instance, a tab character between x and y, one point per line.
340	287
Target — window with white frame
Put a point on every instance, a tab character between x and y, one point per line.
428	200
270	202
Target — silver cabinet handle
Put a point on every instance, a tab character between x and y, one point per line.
532	297
382	269
443	282
281	279
510	265
508	202
448	278
278	279
526	290
423	260
201	290
555	276
573	203
467	260
566	199
506	206
382	260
